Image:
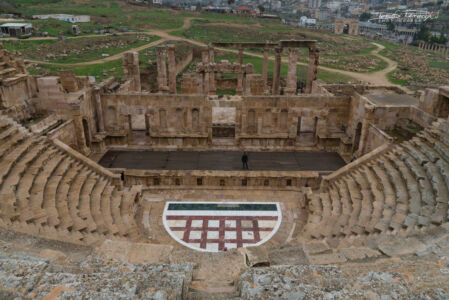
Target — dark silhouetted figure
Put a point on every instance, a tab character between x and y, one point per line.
245	161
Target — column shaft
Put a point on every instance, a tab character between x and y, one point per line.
277	71
314	57
291	75
171	69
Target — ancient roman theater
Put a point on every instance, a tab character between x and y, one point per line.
123	189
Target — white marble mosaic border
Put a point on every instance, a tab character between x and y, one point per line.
264	240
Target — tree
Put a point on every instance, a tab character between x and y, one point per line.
442	39
261	8
423	34
365	16
390	26
231	2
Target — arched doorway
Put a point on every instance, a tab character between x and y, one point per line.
358	133
86	132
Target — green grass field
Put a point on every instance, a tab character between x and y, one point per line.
337	51
79	49
328	77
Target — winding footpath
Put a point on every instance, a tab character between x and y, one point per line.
375	78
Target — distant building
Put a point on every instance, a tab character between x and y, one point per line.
64	17
304	21
333	5
157	2
16	29
243	10
312	4
323	14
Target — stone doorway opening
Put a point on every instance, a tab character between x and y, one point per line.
306	130
223	125
139	128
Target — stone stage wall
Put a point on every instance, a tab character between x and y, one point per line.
270	180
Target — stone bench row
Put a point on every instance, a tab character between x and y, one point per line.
404	189
40	184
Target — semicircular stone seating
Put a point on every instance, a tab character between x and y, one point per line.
45	191
402	190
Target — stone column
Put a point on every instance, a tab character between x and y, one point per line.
265	69
212	88
277	71
205	56
314	57
211	55
161	54
131	70
240	56
171	69
291	75
205	77
239	89
99	109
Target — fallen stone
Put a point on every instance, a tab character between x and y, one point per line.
396	246
316	247
135	252
325	259
359	253
52	254
255	256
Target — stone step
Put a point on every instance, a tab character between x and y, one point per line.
223	289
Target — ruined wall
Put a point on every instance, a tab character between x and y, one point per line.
260	121
421	117
169	119
435	102
227	84
375	138
353	26
274	121
277	180
66	133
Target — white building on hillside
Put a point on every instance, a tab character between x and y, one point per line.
64	17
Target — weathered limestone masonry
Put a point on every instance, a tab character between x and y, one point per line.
391	200
16	86
131	70
352	26
292	45
166	83
269	180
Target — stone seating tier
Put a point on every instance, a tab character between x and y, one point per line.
403	190
47	192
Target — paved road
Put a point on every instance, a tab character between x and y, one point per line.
222	160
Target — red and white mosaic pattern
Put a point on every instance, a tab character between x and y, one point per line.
215	231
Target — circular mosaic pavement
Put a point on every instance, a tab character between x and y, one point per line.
219	226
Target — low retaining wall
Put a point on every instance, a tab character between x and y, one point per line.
355	164
279	180
115	178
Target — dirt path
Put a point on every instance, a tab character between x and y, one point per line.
375	78
100	61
